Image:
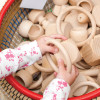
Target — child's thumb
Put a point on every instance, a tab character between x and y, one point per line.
61	65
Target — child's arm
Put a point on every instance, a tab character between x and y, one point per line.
13	59
59	88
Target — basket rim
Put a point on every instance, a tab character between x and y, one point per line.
11	80
4	9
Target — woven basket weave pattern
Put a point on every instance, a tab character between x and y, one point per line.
10	39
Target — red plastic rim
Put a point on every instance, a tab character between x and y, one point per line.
11	80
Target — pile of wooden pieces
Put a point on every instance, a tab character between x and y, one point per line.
78	20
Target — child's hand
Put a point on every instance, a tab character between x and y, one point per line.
63	74
48	48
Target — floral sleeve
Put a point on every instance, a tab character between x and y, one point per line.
13	59
58	89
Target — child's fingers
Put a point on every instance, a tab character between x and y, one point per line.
73	70
58	36
55	73
76	71
61	65
51	49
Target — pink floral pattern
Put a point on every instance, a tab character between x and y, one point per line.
58	89
8	68
33	51
9	56
13	59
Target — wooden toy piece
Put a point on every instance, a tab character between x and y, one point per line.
90	89
72	19
46	82
45	62
35	84
82	18
24	78
96	2
51	17
86	4
83	64
42	68
64	53
90	79
81	84
98	78
73	2
78	35
56	10
90	51
81	90
46	67
35	32
36	16
52	29
31	69
66	28
91	72
24	27
65	11
72	50
95	13
97	31
39	62
60	2
79	66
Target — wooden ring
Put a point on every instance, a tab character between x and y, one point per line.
64	52
65	11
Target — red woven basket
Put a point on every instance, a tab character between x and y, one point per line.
11	80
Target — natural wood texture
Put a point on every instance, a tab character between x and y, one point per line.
86	4
45	62
31	69
63	51
24	28
36	84
65	11
81	90
81	84
72	50
60	2
73	2
52	29
35	31
82	18
79	35
43	69
51	17
97	30
36	16
96	14
56	10
91	72
72	18
96	2
24	78
91	51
